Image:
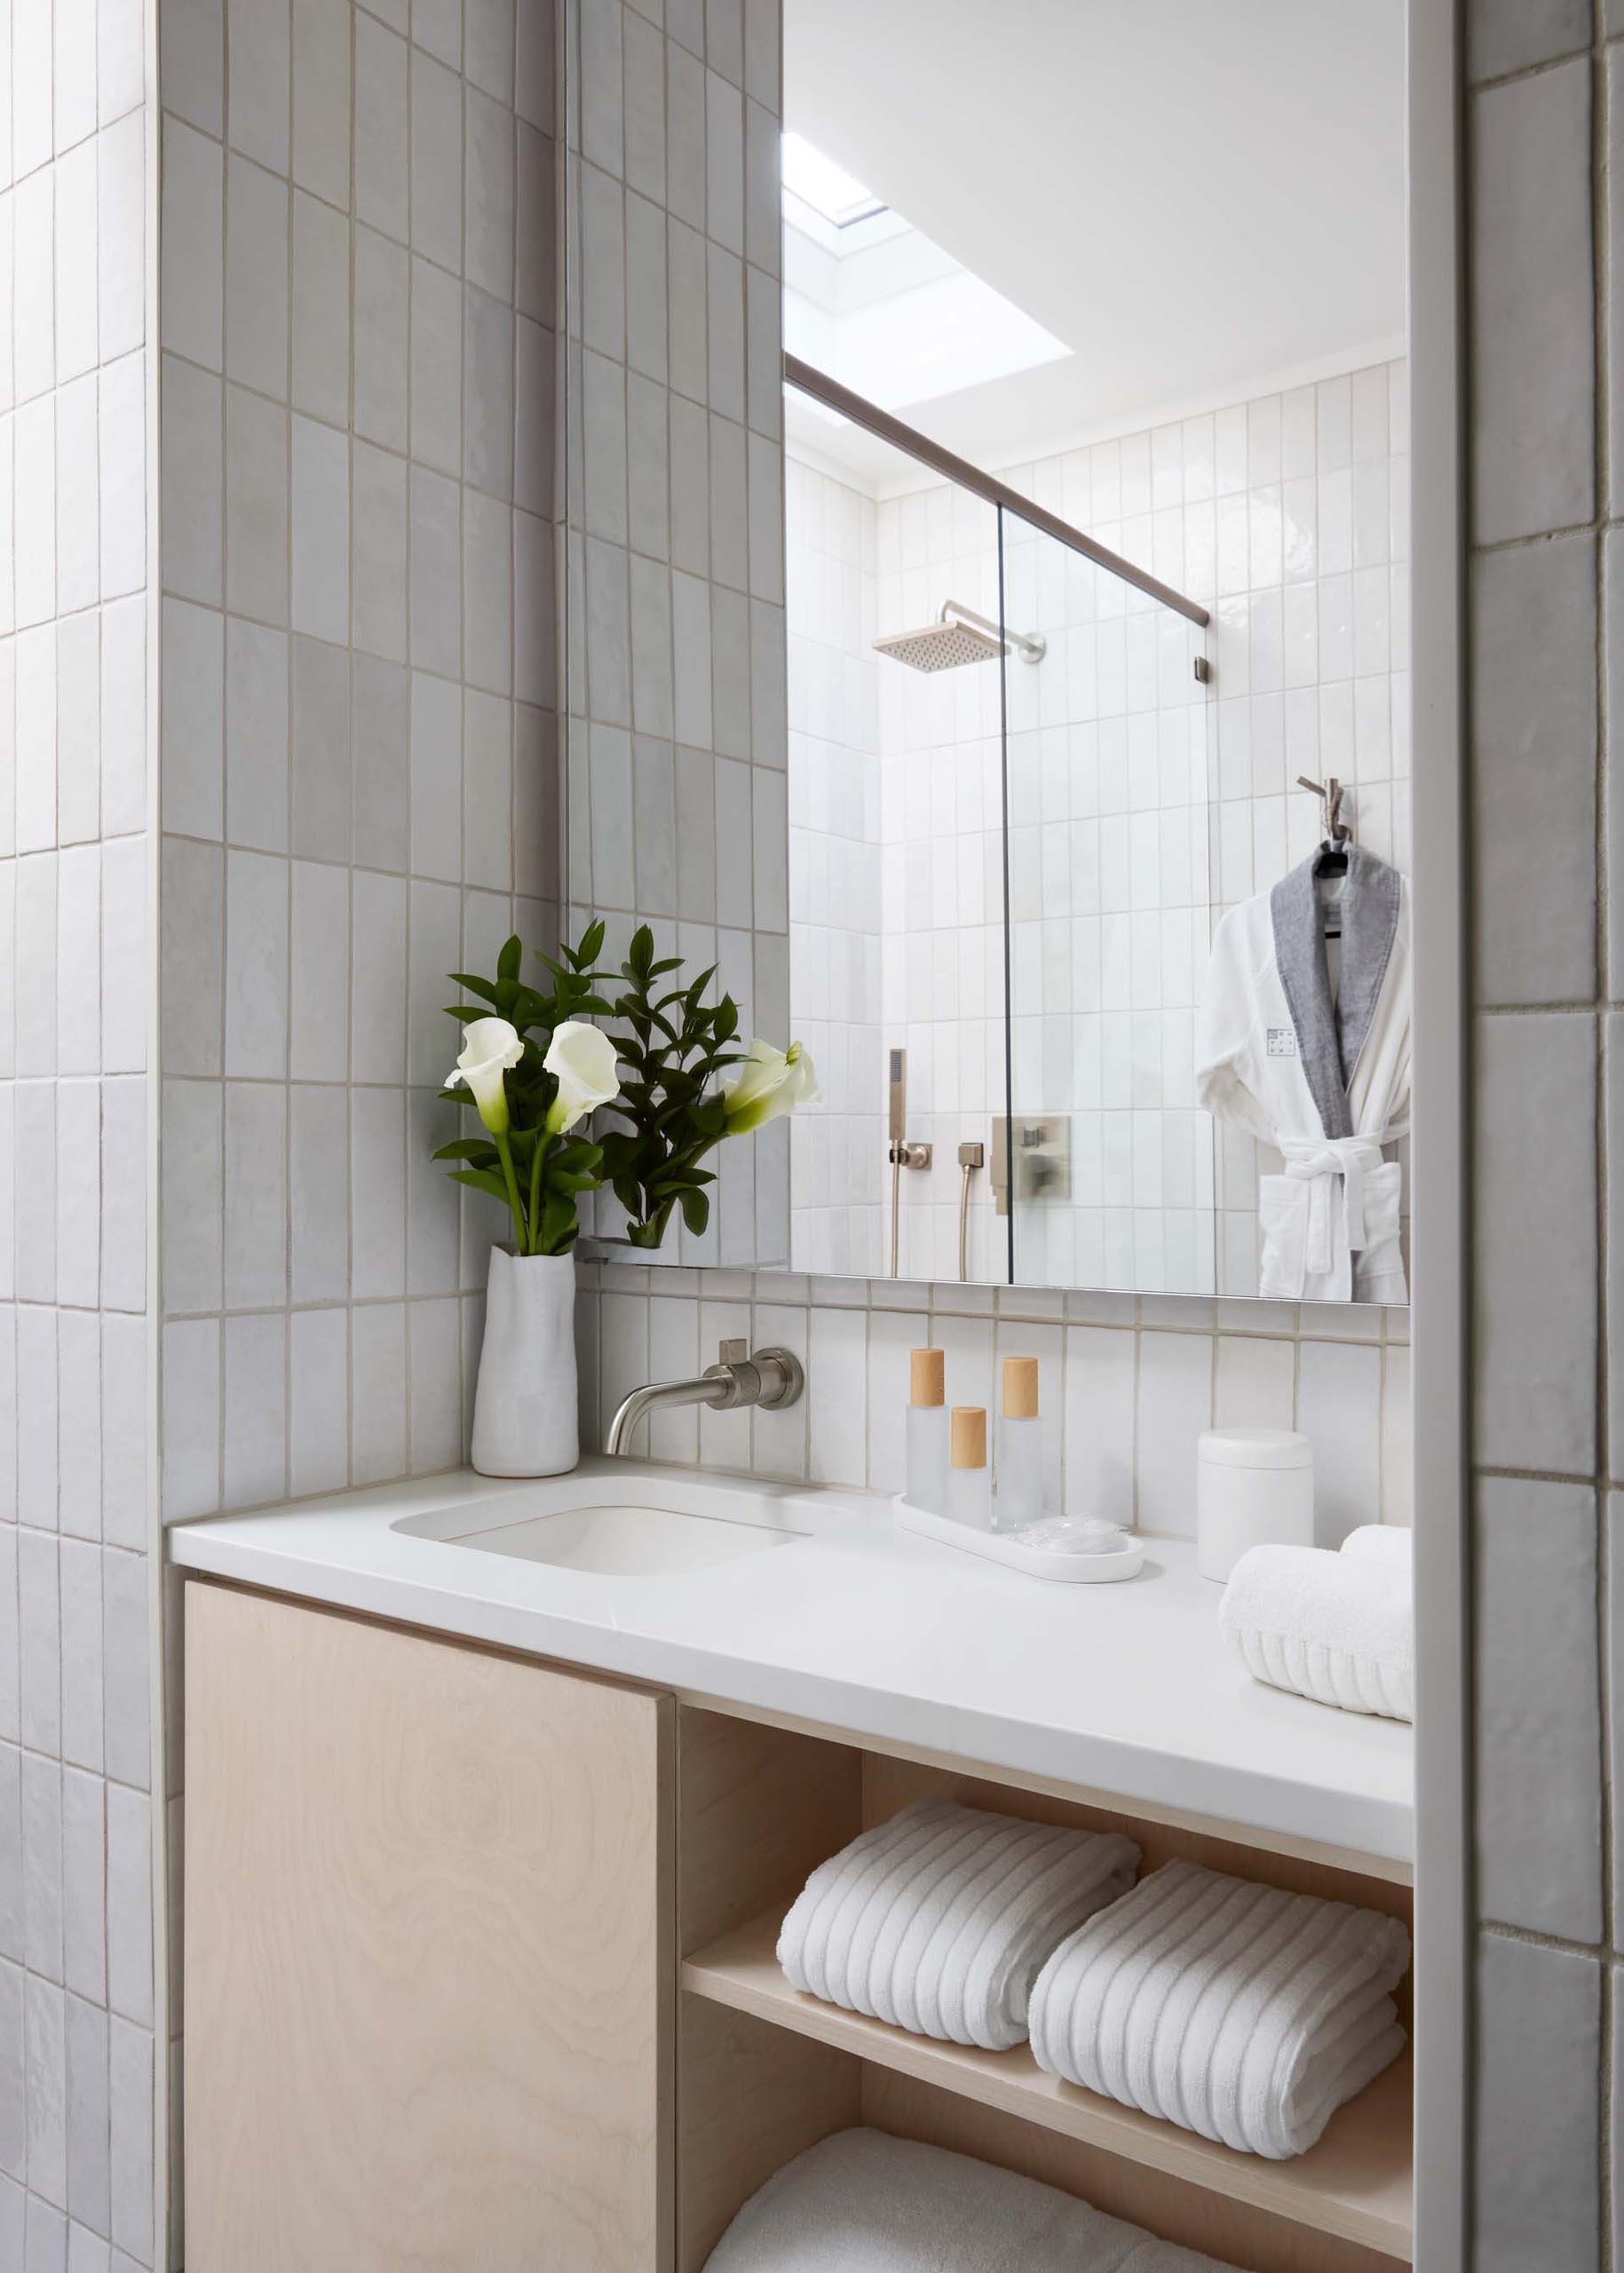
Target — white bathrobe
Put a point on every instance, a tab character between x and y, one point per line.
1326	1082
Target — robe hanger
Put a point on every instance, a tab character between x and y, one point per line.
1332	857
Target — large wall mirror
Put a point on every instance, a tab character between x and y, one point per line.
1041	758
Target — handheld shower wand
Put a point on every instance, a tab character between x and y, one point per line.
971	1157
898	1151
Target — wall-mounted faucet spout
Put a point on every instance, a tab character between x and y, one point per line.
772	1378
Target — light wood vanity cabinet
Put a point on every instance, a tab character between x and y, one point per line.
427	1954
479	1974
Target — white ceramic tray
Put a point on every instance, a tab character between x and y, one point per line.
1037	1562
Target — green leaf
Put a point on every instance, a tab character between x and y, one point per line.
467	1148
482	987
696	1212
558	1222
509	960
482	1180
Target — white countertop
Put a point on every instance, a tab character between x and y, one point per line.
1127	1688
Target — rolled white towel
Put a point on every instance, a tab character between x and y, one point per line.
1236	2010
861	2202
1337	1628
937	1920
1388	1544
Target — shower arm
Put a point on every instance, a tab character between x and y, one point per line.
1032	647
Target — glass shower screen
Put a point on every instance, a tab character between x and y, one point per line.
1106	1166
998	886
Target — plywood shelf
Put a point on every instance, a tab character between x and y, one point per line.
1355	2184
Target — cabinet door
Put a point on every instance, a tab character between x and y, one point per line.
427	1954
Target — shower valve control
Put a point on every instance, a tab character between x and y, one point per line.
905	1155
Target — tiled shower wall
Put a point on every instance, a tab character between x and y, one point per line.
1545	242
359	783
76	1972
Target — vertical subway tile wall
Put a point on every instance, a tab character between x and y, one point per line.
1545	114
77	1971
359	790
675	595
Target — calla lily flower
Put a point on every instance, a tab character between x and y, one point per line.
769	1083
490	1047
587	1071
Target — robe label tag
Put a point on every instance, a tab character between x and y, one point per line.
1283	1042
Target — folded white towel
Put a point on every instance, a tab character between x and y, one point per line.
861	2202
1389	1544
937	1920
1337	1628
1239	2011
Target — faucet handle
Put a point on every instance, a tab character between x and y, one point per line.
732	1353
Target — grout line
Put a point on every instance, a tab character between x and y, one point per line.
1601	111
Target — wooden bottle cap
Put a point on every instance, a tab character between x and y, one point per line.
967	1435
927	1377
1020	1388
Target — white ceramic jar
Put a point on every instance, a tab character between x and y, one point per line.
1254	1488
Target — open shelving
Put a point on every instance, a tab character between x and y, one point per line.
1355	2183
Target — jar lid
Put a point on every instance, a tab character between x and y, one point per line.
1255	1448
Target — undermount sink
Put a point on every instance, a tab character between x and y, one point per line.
616	1527
628	1542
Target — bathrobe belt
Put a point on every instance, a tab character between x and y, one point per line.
1318	1165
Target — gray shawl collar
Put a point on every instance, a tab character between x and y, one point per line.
1330	1036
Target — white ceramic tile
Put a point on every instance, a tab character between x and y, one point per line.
321	72
258	50
320	531
122	474
85	1903
191	1195
377	1391
256	965
193	62
319	1413
192	665
381	334
436	162
1174	1404
256	278
321	310
256	1420
488	160
192	451
129	2069
190	1418
1339	1394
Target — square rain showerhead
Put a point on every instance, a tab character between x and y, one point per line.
940	646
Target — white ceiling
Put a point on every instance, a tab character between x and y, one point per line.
1197	196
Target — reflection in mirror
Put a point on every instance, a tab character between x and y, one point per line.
1094	1004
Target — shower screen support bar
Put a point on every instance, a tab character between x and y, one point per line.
807	379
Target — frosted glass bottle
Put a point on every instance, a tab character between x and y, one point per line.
1017	1491
927	1431
969	1495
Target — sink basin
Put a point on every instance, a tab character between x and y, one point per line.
621	1528
641	1542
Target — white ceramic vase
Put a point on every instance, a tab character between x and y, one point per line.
525	1416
